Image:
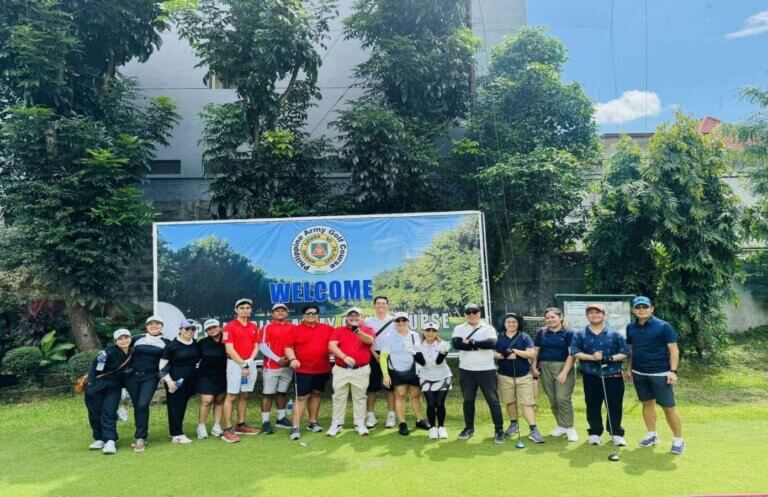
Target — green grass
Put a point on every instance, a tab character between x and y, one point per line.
724	411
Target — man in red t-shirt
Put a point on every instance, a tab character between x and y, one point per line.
239	338
308	356
273	339
351	346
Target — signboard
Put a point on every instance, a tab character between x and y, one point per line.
618	310
428	265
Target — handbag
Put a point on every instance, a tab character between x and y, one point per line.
82	382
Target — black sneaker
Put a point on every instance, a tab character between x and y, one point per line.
295	433
499	438
314	427
422	424
403	430
284	423
266	428
466	434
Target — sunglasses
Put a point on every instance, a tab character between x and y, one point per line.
430	330
310	314
401	320
642	306
190	328
470	312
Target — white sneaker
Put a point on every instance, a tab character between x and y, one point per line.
571	434
202	433
370	420
181	439
433	433
559	431
619	441
594	440
333	431
216	431
96	445
442	432
362	430
391	421
109	447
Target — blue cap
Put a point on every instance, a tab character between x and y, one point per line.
187	323
641	300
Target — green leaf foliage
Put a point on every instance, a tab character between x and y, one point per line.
53	352
23	362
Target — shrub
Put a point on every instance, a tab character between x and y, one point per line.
23	362
52	351
81	362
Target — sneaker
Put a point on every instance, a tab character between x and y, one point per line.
230	436
314	427
109	447
181	439
244	429
422	424
571	434
96	445
284	423
333	431
295	433
403	429
370	420
466	434
442	432
559	431
202	433
499	437
649	441
677	449
362	430
266	428
594	440
619	441
536	436
216	431
139	445
512	429
391	421
433	433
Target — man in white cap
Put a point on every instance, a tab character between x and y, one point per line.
273	339
351	347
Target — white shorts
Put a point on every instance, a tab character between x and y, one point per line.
235	378
276	380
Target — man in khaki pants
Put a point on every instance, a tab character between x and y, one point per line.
351	347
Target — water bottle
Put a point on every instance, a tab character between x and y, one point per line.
289	406
243	380
101	361
178	383
122	414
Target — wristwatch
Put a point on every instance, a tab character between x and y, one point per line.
673	371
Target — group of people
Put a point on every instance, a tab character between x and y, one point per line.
365	356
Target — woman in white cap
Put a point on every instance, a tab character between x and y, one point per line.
399	369
211	378
435	377
178	368
102	391
141	382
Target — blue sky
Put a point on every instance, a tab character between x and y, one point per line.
375	244
699	53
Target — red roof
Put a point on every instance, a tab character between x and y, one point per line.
707	125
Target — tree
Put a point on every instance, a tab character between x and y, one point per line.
264	163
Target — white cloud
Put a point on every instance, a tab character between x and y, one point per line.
755	25
631	105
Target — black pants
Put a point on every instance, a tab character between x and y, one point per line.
141	387
436	407
102	398
594	398
470	381
176	403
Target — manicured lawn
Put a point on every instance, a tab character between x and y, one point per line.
724	410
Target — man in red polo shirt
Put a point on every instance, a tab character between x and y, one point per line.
275	372
351	346
239	338
308	356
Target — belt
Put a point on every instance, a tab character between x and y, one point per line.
351	367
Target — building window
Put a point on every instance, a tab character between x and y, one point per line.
165	167
215	83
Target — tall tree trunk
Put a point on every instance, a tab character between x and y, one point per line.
83	329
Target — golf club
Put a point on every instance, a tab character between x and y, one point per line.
519	444
296	403
615	454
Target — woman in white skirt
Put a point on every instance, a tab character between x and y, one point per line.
435	377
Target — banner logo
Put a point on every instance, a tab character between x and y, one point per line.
319	249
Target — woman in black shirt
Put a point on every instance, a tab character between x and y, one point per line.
178	368
211	378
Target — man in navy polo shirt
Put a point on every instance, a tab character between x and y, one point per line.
653	370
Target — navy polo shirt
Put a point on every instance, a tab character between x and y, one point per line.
553	346
649	341
608	341
514	367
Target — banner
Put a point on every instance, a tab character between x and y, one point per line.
428	265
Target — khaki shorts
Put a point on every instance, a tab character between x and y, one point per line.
524	387
276	380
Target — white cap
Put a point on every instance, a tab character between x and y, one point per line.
243	301
431	325
120	333
210	324
353	309
279	305
401	314
155	318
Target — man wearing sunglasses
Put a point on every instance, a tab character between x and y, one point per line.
475	340
308	356
652	367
